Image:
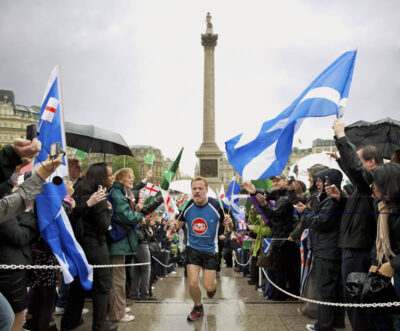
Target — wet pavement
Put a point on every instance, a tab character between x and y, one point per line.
236	306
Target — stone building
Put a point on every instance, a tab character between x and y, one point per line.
226	172
323	145
139	152
14	118
318	146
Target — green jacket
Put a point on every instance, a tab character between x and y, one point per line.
124	214
261	229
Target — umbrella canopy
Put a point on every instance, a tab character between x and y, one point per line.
308	161
185	186
92	139
384	134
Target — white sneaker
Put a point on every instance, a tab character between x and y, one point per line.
127	310
152	287
59	310
85	311
127	318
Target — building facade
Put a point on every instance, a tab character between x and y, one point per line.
14	118
139	152
323	145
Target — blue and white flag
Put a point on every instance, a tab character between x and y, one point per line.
267	243
263	155
54	224
232	196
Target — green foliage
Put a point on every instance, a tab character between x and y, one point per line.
129	163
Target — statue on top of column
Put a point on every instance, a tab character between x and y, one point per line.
209	24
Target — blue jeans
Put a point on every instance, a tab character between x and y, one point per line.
62	298
6	314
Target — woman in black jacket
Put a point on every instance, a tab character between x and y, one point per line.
386	188
96	221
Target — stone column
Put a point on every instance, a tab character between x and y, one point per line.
209	153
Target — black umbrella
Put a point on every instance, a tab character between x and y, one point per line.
92	139
384	134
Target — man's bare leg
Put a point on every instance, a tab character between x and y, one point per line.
210	280
193	272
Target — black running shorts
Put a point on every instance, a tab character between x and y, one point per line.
205	260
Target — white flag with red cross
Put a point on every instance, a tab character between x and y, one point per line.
50	110
169	204
150	190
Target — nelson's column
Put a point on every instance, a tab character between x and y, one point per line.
209	154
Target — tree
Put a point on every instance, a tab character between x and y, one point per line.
129	163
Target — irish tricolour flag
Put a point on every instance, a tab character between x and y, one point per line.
50	110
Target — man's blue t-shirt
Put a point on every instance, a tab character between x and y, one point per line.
202	225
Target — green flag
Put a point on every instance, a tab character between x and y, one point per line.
183	205
81	154
168	175
149	159
173	168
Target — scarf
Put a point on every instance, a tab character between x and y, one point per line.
383	248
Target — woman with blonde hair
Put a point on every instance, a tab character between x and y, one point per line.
127	214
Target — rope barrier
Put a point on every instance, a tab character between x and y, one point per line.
335	304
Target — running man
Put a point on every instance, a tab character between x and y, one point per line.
203	216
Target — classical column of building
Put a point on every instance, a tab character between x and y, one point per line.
209	154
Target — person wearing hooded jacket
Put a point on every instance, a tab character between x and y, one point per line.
309	309
325	226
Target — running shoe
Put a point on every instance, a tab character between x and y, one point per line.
212	293
196	312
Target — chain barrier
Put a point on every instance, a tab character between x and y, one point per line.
335	304
165	266
46	267
97	266
242	265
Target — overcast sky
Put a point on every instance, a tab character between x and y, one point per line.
136	67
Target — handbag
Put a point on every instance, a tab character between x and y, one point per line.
372	288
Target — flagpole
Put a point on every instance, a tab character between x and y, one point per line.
222	207
64	140
124	160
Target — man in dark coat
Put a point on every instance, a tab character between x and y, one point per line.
358	225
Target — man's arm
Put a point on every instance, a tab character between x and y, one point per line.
349	159
14	204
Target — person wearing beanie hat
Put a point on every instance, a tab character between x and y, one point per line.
324	224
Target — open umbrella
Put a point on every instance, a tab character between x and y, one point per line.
384	134
92	139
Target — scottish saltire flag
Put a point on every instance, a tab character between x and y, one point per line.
54	224
232	197
265	154
267	243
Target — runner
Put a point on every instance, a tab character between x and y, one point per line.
203	215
